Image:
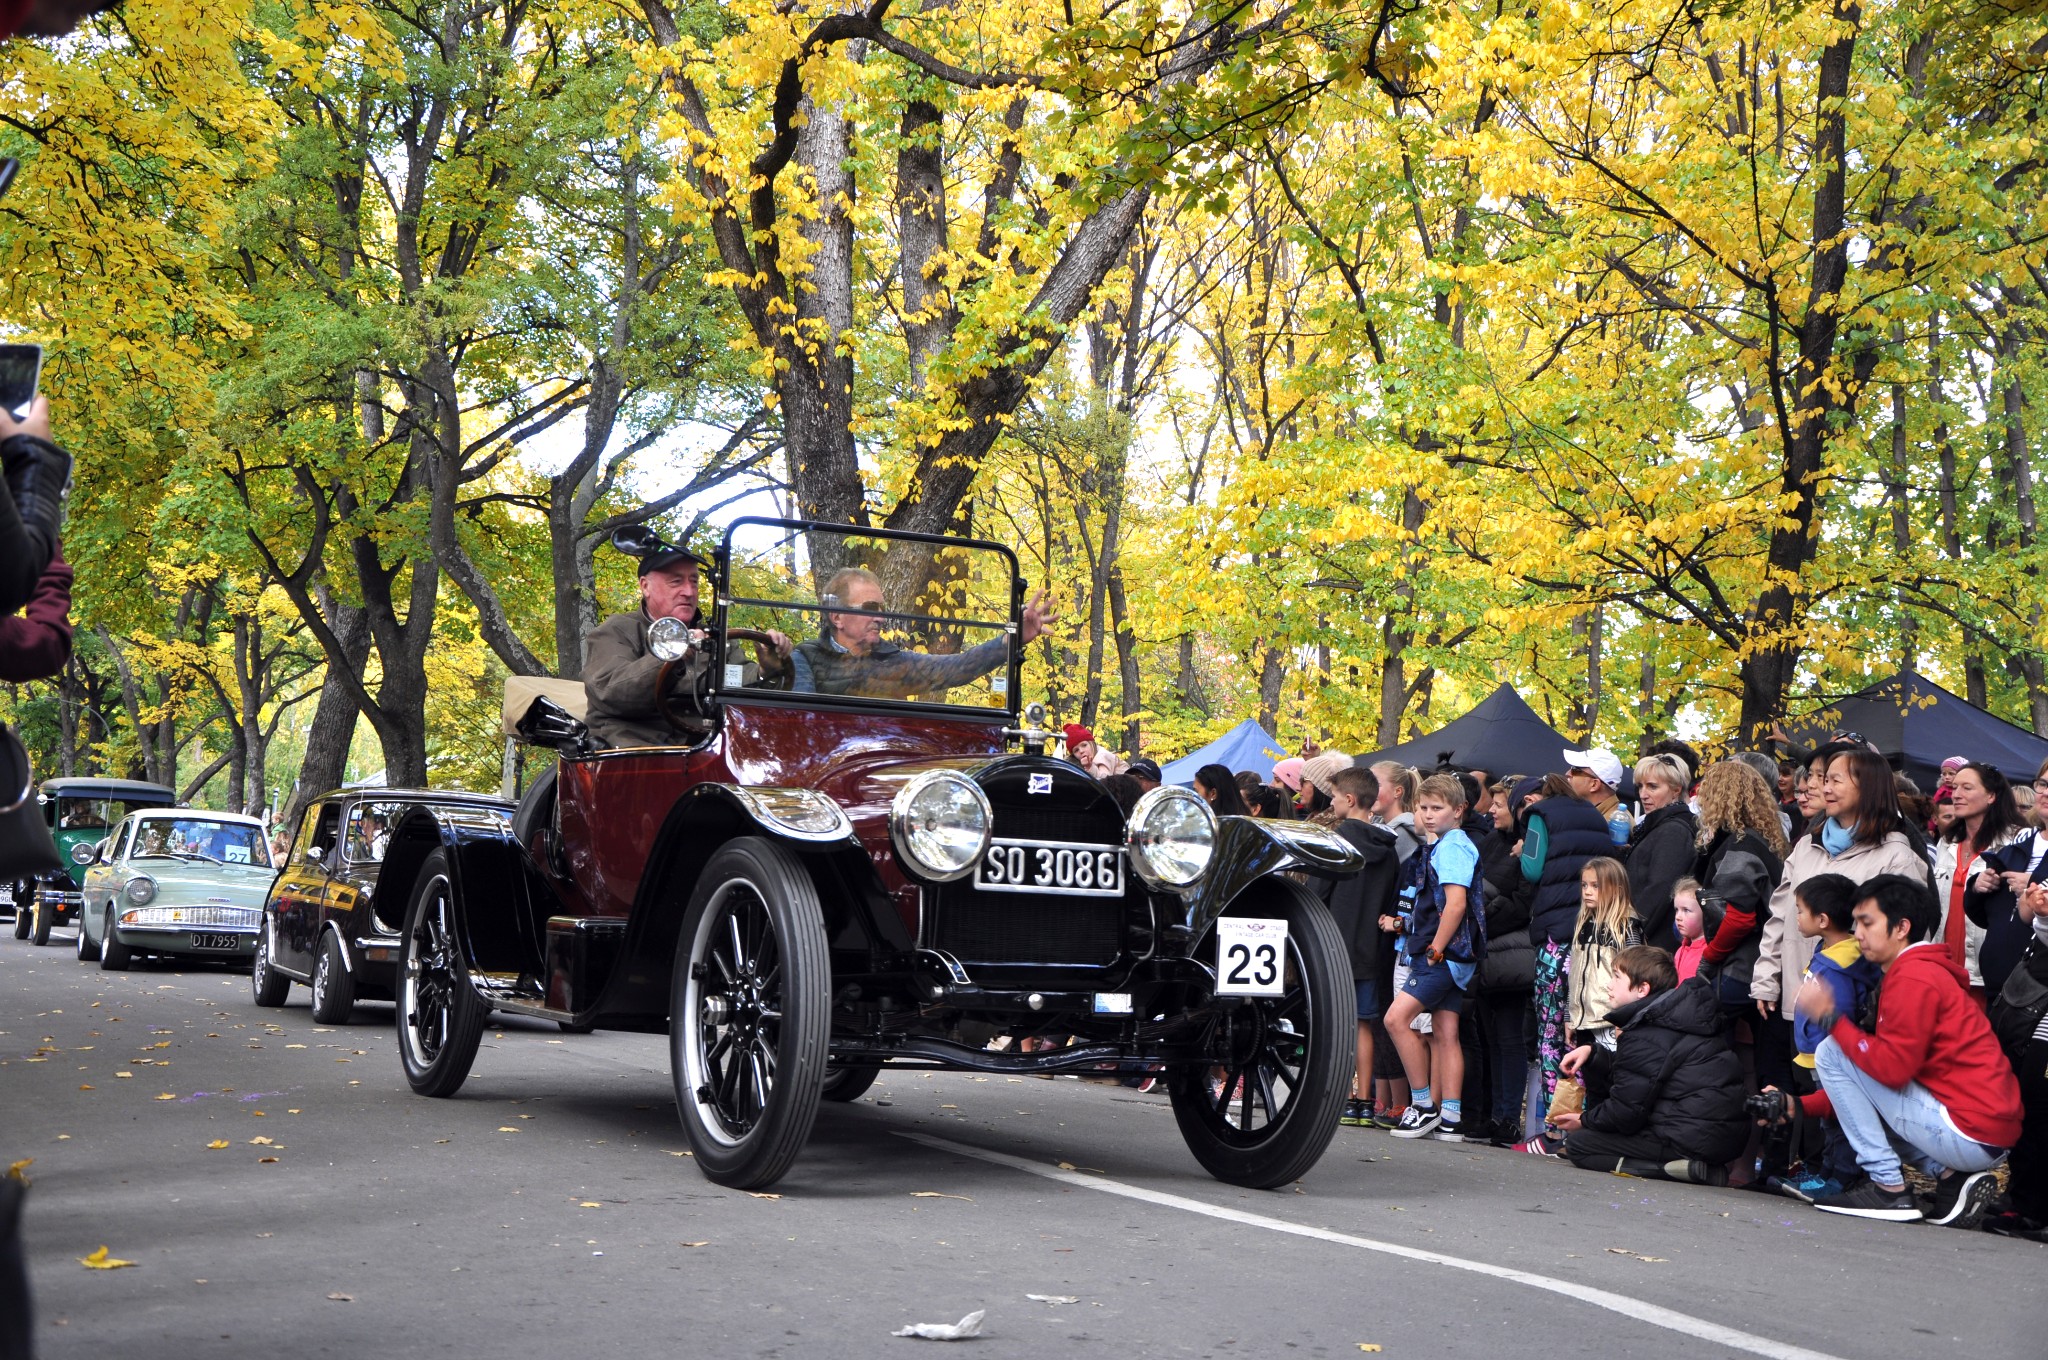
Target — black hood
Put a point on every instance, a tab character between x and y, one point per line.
1689	1008
1670	812
1374	843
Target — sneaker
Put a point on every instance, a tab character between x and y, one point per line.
1417	1121
1868	1199
1541	1146
1961	1198
1505	1133
1357	1114
1388	1119
1448	1132
1807	1187
1698	1173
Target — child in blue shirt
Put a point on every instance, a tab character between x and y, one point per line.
1824	907
1443	939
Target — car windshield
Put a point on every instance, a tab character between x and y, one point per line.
873	616
200	838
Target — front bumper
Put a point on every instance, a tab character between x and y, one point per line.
61	906
188	940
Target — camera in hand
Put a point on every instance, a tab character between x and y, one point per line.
1768	1107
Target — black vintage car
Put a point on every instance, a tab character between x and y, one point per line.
873	862
318	923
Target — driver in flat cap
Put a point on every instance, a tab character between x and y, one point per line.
621	677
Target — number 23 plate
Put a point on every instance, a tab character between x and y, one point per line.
1251	956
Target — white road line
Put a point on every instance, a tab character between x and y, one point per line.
1670	1320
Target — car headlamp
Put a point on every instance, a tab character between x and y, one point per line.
940	822
83	852
141	890
671	639
1171	837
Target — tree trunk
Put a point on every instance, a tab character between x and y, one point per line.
1272	678
335	712
1897	493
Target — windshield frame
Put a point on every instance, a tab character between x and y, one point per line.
145	817
724	600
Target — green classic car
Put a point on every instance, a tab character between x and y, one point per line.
176	881
79	812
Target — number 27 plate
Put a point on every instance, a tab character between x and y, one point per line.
1251	956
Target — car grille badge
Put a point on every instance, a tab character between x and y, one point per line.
1039	783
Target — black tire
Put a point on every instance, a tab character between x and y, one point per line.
269	987
39	934
24	908
334	987
850	1081
87	950
440	1016
571	1027
750	1013
1294	1061
114	956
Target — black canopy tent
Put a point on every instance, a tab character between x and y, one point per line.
1501	735
1917	724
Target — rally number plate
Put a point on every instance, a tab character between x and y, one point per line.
1251	956
202	941
1052	867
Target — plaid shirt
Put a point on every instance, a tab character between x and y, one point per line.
889	671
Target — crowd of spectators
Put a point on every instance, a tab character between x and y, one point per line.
1800	976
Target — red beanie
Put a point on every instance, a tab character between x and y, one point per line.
1076	734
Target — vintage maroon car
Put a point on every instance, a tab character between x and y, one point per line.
876	864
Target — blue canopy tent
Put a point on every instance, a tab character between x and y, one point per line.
1246	746
1917	724
1501	734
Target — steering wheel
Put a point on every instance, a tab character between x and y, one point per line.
781	679
666	699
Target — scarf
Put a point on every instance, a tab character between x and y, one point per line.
1836	838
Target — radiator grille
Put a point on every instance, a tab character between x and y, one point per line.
1028	928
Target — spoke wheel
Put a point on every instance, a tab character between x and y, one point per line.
1264	1110
440	1016
269	986
749	1016
114	955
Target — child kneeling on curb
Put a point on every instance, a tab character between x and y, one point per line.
1666	1100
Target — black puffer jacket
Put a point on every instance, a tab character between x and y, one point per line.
1660	852
1359	901
1671	1072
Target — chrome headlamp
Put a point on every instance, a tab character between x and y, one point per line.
671	639
141	890
84	851
940	822
1171	837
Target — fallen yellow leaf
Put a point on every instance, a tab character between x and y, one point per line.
85	1088
342	1298
1068	1166
99	1260
18	1171
764	1194
124	1074
218	1144
934	1194
506	1128
591	1204
259	1141
693	1244
261	1160
1369	1346
167	1096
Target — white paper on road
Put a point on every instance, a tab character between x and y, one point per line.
1054	1298
965	1329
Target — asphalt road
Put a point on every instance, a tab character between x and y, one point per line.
547	1210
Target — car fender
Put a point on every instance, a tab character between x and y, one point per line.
858	913
485	864
1249	850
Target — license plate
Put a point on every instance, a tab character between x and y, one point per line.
1251	956
1053	867
216	941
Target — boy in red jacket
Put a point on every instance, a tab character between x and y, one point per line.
1929	1073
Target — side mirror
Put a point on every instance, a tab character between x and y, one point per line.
313	857
635	540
